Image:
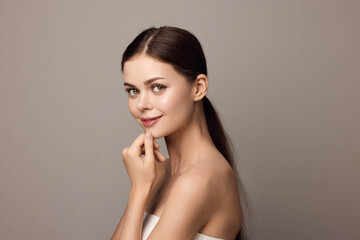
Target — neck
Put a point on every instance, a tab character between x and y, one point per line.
185	145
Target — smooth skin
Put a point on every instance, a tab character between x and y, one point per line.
195	189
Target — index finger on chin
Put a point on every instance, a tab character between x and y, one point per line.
137	143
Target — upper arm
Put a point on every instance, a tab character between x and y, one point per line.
187	209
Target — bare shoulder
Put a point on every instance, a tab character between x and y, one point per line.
226	214
203	198
216	170
214	178
187	208
195	185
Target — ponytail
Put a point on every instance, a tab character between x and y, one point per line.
224	146
217	132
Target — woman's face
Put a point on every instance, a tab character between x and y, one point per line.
159	98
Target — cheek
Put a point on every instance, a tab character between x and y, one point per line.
132	107
177	103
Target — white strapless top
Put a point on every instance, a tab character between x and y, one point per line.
150	221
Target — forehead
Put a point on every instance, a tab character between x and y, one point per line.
143	67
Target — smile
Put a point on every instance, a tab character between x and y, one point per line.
148	122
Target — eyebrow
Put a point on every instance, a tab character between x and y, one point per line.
146	82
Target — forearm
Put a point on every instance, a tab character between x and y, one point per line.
117	232
130	225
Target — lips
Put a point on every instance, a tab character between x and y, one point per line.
148	122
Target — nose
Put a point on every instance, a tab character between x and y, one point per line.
143	103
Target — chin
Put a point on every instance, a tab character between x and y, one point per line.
156	133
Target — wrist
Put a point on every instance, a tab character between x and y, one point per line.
140	191
138	199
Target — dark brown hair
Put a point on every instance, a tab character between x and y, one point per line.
183	51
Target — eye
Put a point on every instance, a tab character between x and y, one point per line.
132	91
158	88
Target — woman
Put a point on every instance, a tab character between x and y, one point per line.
194	194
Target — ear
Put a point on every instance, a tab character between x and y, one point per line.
200	87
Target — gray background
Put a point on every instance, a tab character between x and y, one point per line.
284	75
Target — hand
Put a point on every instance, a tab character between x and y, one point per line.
142	169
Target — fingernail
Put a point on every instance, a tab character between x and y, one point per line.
148	135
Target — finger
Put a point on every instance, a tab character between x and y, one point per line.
143	147
156	145
159	157
149	147
124	152
137	144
